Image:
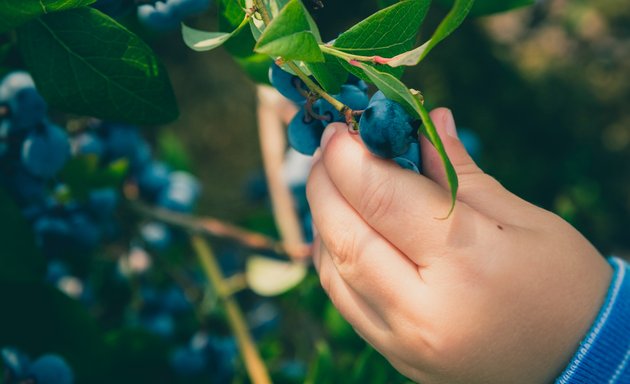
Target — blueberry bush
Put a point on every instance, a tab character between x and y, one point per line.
108	271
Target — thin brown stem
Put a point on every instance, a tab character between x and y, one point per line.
212	227
254	364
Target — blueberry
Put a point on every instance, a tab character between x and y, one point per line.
24	187
350	95
56	270
51	369
15	362
27	107
411	159
287	84
188	362
156	235
181	194
45	151
158	17
305	133
175	301
153	180
87	143
121	141
160	324
85	235
102	202
353	80
386	128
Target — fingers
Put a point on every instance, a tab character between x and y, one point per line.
477	189
381	276
401	206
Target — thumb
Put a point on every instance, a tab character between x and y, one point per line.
477	189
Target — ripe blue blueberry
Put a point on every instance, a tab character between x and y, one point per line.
181	194
153	180
156	235
186	361
350	95
51	369
26	106
287	84
87	143
121	141
386	128
102	202
46	150
305	133
411	159
158	17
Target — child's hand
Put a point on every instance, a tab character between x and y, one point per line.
500	292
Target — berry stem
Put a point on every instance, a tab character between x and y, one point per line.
254	364
339	106
262	10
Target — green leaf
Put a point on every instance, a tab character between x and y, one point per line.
83	174
330	75
386	33
292	35
322	368
86	63
206	41
488	7
451	22
14	13
20	259
395	90
231	13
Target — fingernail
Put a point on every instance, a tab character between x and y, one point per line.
328	133
449	124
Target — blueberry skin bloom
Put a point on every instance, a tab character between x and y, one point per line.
305	133
386	128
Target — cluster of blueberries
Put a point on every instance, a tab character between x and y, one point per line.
206	354
385	127
33	152
155	15
47	369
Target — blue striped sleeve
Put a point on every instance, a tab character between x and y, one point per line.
603	357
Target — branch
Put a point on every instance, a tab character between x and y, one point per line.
254	364
213	227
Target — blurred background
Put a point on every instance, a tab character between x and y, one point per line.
546	89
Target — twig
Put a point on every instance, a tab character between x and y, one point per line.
253	362
211	226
